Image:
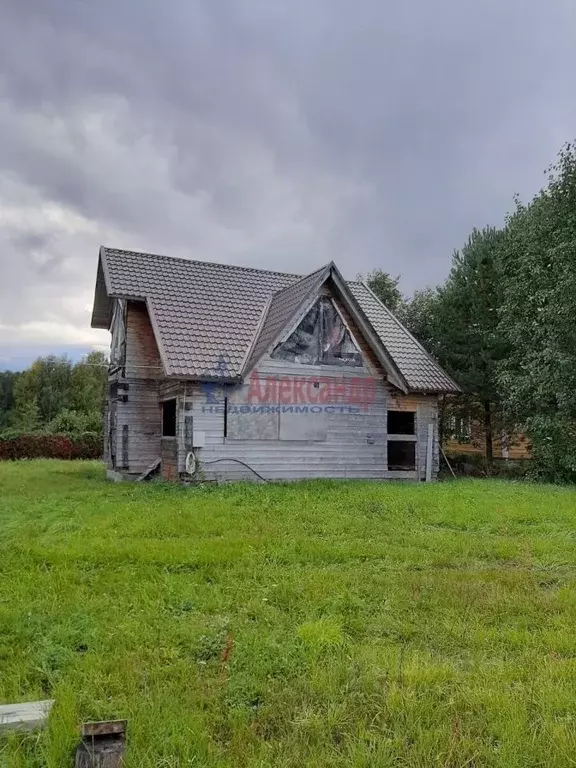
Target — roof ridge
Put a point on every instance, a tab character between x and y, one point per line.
301	278
107	250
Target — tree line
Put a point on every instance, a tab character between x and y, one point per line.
54	396
503	323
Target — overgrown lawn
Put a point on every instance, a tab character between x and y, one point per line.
316	624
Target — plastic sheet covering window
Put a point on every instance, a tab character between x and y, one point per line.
118	328
320	339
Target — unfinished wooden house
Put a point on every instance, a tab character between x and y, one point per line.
220	372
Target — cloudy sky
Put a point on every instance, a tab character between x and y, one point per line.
271	133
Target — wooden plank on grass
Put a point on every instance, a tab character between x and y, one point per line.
26	716
103	728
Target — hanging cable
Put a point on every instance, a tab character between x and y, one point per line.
237	461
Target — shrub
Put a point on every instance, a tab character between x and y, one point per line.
70	422
554	446
474	465
87	446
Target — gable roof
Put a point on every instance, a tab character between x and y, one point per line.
212	321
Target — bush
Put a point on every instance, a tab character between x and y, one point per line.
88	446
474	465
70	422
554	446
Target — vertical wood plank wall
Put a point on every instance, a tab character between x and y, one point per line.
141	413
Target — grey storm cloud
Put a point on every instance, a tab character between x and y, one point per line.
271	134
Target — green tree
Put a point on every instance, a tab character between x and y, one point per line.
420	316
537	317
88	383
385	287
70	422
465	328
7	381
53	387
47	381
27	416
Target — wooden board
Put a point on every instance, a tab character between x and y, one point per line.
102	745
105	753
26	716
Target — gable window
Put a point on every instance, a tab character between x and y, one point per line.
320	339
169	418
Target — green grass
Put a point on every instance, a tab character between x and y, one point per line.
315	624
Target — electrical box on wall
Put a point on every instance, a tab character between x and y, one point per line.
198	439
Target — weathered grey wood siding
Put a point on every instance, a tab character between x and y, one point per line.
142	356
137	404
355	444
351	439
354	435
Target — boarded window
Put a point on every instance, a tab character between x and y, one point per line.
299	425
401	455
320	339
169	418
252	422
401	423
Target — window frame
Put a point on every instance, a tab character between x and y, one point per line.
400	432
163	405
411	439
410	444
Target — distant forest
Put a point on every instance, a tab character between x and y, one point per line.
54	396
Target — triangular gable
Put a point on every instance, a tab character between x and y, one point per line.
322	337
281	311
288	309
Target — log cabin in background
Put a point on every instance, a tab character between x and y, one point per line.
465	436
225	373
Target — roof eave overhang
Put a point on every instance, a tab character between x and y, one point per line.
438	391
101	307
452	387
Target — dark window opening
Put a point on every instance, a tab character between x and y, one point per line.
401	423
225	416
401	456
169	418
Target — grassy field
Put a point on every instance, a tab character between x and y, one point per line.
319	624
